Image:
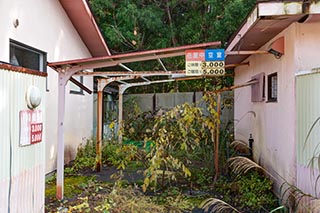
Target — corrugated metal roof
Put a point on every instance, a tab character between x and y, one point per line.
108	61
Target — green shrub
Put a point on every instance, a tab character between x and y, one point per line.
85	158
253	191
250	193
123	156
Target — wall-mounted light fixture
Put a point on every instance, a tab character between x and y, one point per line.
33	97
277	47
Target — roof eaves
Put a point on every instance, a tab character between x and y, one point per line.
243	29
83	20
256	29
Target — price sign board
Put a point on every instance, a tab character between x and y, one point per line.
205	62
213	68
31	127
214	55
193	62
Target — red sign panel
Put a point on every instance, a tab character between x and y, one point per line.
193	61
31	127
195	55
36	133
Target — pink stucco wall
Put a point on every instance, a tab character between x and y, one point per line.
273	127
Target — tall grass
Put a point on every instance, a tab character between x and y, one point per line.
241	165
216	205
315	158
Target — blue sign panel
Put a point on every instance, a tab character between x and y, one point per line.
214	55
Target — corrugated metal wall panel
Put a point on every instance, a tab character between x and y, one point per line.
307	112
22	168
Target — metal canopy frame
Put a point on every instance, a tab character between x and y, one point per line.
66	69
247	41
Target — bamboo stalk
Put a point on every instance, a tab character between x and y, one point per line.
217	140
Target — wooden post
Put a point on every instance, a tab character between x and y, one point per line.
60	145
217	140
64	75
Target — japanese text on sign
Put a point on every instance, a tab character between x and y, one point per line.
193	62
205	62
214	55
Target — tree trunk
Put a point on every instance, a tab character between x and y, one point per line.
173	38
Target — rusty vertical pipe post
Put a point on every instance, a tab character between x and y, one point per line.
121	91
217	140
98	166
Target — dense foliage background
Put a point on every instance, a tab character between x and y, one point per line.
136	25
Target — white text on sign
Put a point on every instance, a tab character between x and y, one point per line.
36	133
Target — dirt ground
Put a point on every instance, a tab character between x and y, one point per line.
87	191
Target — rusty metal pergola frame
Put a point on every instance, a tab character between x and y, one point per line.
67	69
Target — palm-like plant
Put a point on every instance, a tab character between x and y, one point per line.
216	205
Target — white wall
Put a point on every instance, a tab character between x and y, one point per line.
273	127
43	24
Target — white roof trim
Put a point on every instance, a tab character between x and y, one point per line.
279	8
273	8
249	23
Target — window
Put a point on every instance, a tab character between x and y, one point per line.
257	89
272	87
28	57
74	89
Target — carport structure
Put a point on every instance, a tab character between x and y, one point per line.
66	69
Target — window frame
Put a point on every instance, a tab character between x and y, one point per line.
42	54
272	87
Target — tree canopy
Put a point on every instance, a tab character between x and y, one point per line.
136	25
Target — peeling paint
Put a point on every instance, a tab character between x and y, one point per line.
59	193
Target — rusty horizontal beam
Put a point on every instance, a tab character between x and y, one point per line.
235	86
79	84
110	62
134	56
201	77
22	70
246	52
122	73
236	65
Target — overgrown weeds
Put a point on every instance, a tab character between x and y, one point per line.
85	158
176	152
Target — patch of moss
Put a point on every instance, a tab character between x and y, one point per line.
134	166
73	185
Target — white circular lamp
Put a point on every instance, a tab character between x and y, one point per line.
33	97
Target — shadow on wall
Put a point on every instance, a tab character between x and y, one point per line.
69	154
